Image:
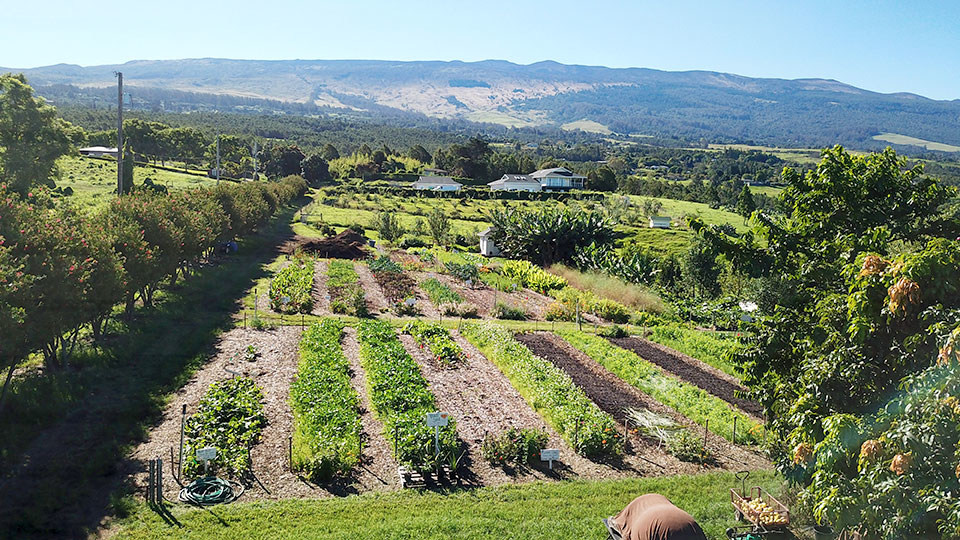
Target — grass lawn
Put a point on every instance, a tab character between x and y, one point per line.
555	511
94	180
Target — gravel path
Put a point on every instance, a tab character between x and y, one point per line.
694	372
376	302
321	298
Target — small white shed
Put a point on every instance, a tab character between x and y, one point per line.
487	247
659	222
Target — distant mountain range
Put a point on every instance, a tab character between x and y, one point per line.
694	105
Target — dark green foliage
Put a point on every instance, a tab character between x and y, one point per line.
547	235
387	226
507	312
229	418
437	339
401	397
384	263
326	417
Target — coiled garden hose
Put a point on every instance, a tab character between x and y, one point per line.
211	490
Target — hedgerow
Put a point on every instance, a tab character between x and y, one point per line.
326	419
548	390
401	397
62	270
690	401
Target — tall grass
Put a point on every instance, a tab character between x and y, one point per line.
612	288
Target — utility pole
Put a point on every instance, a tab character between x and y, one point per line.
119	134
218	158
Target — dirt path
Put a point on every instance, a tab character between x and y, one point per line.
321	298
614	395
378	470
692	371
273	370
376	301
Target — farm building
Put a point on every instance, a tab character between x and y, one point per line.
659	222
98	151
515	182
437	183
559	178
487	247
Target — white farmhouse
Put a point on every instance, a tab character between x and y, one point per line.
559	178
515	182
437	183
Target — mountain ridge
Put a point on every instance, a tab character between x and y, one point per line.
697	104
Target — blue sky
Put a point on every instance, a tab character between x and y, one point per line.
909	46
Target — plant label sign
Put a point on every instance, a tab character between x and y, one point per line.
207	454
551	455
437	419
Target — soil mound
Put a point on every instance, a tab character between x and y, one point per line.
346	245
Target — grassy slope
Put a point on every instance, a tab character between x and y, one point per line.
555	511
896	138
94	181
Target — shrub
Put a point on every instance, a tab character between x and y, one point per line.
610	311
413	242
548	234
549	390
326	419
531	276
229	418
615	331
384	263
464	311
463	272
514	446
387	226
505	311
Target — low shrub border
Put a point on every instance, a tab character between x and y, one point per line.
437	339
401	398
295	285
696	404
548	390
326	418
229	418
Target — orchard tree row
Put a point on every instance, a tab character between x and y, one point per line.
61	270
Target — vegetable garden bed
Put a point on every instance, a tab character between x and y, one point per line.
327	434
291	290
688	400
549	390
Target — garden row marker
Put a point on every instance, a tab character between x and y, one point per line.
206	455
550	454
706	426
436	420
734	430
183	416
290	452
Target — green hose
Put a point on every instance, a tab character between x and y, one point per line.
211	490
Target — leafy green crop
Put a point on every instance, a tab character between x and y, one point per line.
291	290
703	346
401	397
326	419
440	293
343	284
229	418
437	339
532	276
694	403
548	390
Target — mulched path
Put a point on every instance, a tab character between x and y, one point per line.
376	301
273	371
692	371
613	395
321	298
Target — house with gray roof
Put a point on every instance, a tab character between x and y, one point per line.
558	179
